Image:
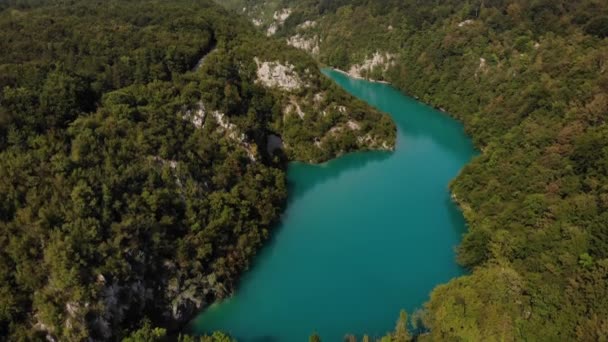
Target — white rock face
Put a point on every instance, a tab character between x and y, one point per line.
272	29
229	127
307	24
234	133
465	23
353	125
282	15
292	107
277	75
384	60
307	44
257	22
350	124
279	19
197	116
72	308
483	66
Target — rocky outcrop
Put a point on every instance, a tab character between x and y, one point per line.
293	107
465	23
371	142
282	15
482	68
279	19
308	24
196	116
310	45
277	75
382	60
232	131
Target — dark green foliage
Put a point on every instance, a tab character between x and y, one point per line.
598	27
123	194
529	80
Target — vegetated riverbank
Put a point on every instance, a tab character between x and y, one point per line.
359	77
353	221
134	190
528	79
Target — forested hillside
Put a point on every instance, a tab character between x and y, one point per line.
529	79
136	180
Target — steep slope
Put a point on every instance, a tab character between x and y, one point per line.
529	80
135	179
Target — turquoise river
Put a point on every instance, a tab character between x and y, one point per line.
363	236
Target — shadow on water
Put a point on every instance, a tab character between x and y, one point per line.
455	214
319	174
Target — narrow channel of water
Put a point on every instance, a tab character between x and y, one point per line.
363	236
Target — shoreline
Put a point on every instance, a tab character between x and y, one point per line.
438	108
359	77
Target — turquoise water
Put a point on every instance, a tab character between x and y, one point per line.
363	236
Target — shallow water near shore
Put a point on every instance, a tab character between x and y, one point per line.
363	236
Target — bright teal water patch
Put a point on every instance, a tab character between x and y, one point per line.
363	236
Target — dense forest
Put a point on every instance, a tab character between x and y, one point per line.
529	79
136	182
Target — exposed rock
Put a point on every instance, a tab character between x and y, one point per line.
277	75
233	133
186	303
292	107
307	25
72	308
282	15
171	163
353	125
279	19
384	60
465	23
41	326
257	22
483	66
197	116
310	45
372	142
272	29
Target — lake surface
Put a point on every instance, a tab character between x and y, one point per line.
363	236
